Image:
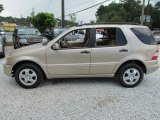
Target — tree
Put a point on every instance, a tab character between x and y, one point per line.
114	12
33	13
72	19
124	11
43	20
132	10
1	8
156	15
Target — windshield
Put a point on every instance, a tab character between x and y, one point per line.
56	32
156	33
28	32
59	31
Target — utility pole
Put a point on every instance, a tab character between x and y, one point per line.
63	20
143	5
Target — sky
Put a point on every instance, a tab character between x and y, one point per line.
16	8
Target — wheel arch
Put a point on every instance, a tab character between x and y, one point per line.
138	62
24	62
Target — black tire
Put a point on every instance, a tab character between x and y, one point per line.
36	69
3	53
14	46
122	72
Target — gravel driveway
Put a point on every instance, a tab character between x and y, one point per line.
80	99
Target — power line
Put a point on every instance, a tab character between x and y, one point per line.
86	8
75	6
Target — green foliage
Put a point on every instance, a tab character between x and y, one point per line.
33	13
156	16
125	11
114	12
72	20
128	11
43	20
1	8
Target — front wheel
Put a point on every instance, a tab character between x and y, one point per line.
130	75
28	76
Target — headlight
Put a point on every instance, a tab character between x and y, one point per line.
22	40
44	40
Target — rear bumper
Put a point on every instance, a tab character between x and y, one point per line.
8	70
151	66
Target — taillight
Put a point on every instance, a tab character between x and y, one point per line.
155	56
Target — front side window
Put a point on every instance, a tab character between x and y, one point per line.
108	37
75	40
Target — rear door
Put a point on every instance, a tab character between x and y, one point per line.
108	51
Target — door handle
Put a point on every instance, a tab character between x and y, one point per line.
123	50
85	51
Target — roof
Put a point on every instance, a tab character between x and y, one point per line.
106	25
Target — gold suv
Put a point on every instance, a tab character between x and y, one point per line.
125	52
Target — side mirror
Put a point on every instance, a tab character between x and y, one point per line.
56	46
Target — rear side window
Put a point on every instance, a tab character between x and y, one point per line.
120	38
144	35
110	37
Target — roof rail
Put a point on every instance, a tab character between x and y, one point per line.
121	23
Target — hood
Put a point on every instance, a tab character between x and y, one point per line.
30	36
29	50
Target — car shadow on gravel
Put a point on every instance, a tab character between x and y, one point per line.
77	81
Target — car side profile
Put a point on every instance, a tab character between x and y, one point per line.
127	53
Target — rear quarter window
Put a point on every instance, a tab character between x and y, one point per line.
144	35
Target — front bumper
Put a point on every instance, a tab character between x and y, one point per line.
8	70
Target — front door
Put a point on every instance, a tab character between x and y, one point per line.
73	57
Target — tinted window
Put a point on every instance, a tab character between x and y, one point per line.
144	35
120	38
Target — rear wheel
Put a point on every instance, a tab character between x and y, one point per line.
130	75
29	76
